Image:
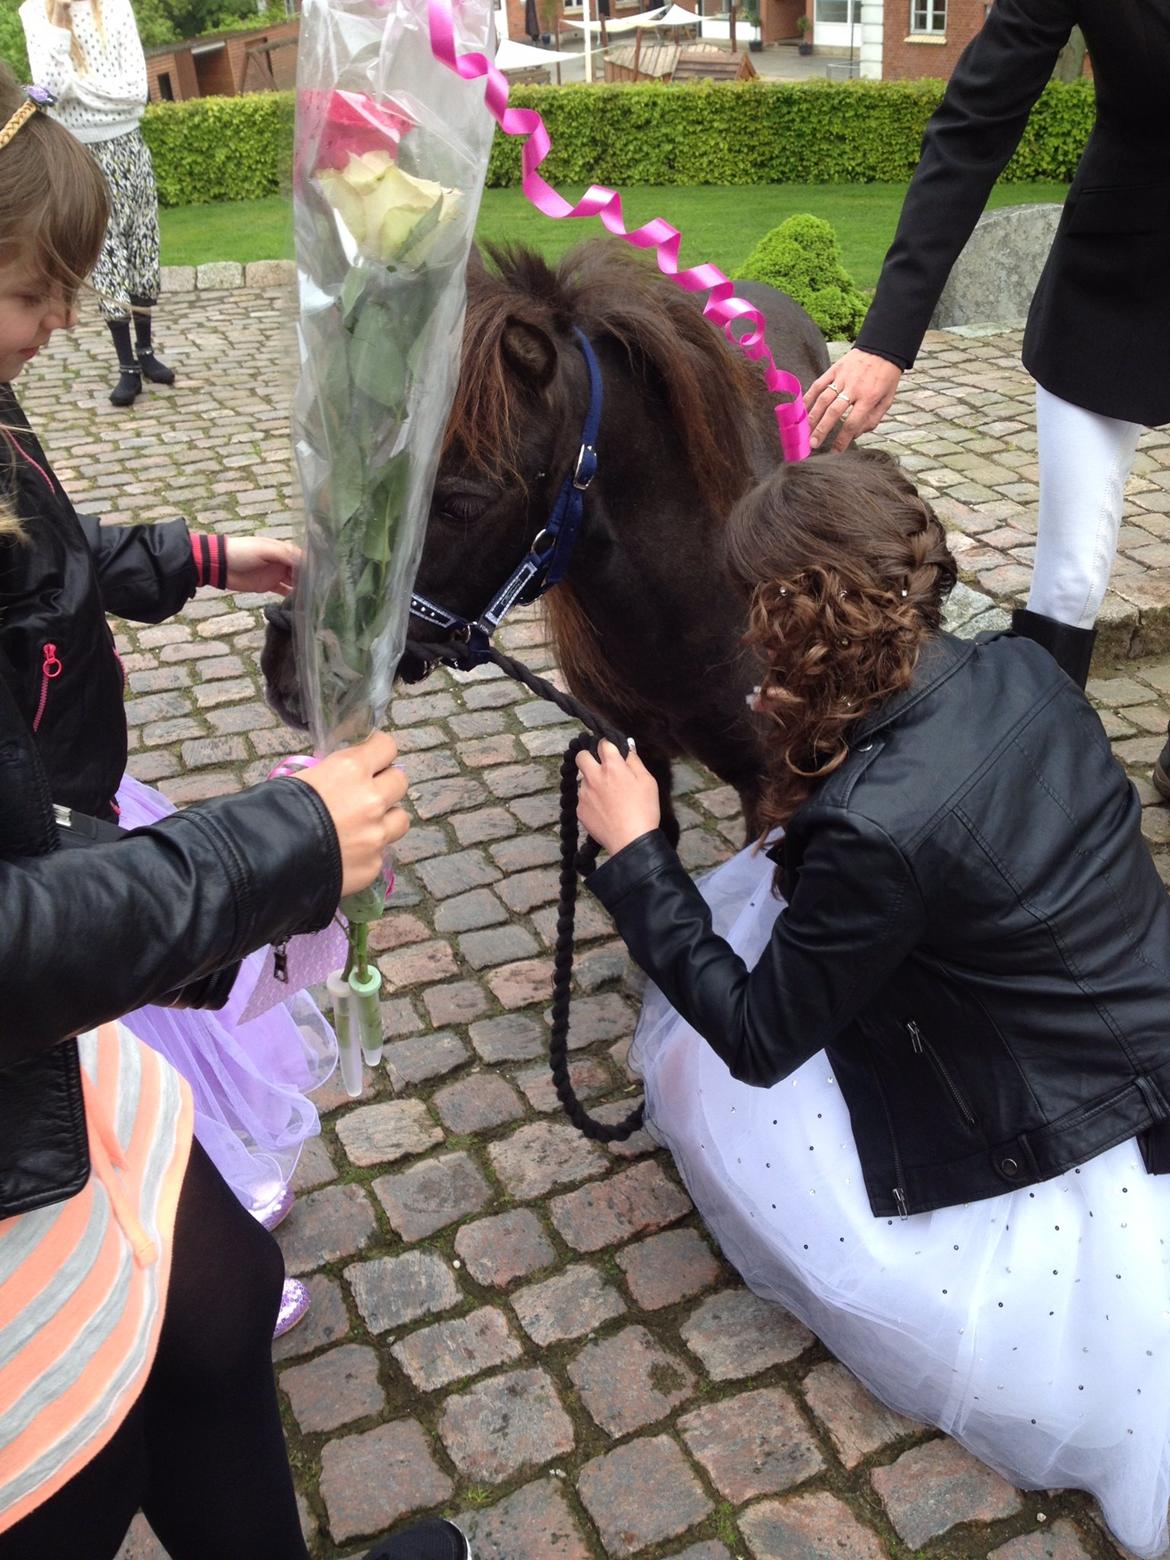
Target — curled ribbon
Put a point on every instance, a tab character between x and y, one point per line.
722	307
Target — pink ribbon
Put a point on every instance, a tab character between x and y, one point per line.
722	306
292	765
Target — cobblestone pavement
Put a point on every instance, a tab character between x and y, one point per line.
510	1324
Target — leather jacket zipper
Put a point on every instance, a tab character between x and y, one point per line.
898	1192
922	1047
50	670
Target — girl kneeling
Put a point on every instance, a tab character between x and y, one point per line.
917	1102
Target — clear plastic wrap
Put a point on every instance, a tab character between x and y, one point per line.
390	157
391	154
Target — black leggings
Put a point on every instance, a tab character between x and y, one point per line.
202	1451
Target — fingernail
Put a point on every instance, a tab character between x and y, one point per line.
630	743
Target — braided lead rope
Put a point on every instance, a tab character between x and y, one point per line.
577	861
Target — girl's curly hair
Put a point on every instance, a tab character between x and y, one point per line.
847	571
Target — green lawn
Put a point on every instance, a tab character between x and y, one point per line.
718	223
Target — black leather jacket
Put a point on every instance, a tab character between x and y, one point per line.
56	587
86	935
975	935
1102	294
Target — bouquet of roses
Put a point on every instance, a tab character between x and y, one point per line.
391	153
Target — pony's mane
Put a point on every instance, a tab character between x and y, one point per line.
716	398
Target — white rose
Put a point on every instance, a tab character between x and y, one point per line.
389	214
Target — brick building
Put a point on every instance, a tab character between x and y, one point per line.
224	64
896	40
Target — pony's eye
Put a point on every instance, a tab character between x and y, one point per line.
458	507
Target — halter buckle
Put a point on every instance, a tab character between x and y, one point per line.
586	468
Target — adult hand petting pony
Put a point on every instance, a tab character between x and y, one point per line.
852	396
618	801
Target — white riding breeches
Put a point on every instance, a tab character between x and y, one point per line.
1084	462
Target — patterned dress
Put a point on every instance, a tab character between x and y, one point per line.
97	71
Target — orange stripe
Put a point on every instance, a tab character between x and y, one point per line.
30	1278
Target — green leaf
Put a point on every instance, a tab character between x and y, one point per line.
346	476
352	291
376	364
425	224
384	509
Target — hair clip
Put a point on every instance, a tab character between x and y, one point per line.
34	98
783	592
905	593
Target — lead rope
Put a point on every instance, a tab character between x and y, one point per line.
577	861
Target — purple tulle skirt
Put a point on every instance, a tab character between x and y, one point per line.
249	1078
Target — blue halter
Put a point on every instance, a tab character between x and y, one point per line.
547	561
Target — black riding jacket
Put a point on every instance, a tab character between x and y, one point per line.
86	935
976	936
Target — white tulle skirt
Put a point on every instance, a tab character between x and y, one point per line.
1034	1327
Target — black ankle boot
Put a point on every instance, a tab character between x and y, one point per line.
437	1539
151	367
129	386
1071	648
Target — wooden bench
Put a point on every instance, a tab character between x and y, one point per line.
708	62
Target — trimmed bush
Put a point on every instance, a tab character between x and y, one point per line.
212	149
802	258
811	132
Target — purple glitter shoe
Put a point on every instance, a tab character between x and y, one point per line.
294	1302
276	1209
437	1539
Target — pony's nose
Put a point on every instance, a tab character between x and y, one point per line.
278	615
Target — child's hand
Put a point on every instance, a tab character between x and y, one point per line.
618	800
362	788
261	563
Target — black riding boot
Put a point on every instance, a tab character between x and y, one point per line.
153	368
1071	648
129	386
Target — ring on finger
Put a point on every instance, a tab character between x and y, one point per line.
833	385
841	396
844	417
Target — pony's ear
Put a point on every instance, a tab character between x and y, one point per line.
530	352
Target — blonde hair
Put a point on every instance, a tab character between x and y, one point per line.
53	214
76	52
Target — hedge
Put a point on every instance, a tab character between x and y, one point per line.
813	132
212	149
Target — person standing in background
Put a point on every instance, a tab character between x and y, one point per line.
87	53
1099	327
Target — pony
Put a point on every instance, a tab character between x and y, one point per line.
646	625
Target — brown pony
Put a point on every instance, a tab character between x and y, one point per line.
647	625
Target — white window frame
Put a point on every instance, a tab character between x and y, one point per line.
928	18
